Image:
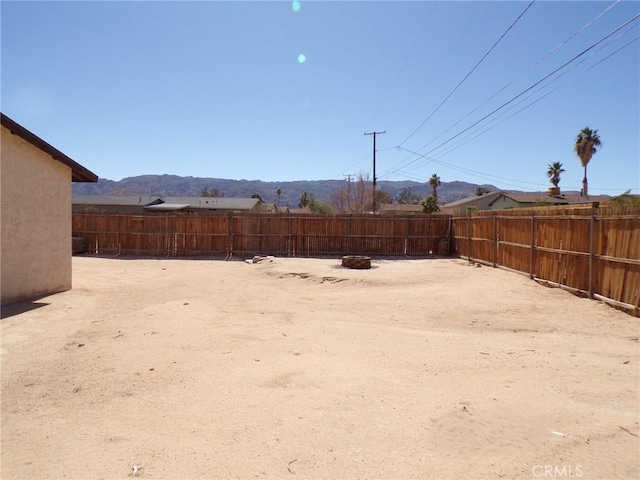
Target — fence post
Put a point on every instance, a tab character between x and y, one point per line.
348	235
406	235
591	242
167	236
469	236
533	245
495	240
290	242
118	231
175	233
230	249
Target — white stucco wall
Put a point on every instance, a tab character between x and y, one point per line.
35	205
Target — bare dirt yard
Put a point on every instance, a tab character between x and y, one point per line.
299	368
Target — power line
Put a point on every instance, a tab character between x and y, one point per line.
469	73
403	165
530	67
467	140
530	87
475	173
479	174
404	64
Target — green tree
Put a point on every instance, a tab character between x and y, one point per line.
434	183
304	201
257	195
553	172
430	205
316	206
587	144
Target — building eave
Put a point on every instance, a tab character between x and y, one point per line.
78	172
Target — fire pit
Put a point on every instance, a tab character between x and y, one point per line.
356	261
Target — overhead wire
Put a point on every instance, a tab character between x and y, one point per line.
521	74
538	82
366	157
405	62
467	140
499	179
474	173
397	77
393	84
493	112
469	73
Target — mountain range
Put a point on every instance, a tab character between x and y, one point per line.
173	185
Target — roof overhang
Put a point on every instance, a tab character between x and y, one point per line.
78	172
167	207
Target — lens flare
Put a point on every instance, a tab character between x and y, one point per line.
302	58
295	6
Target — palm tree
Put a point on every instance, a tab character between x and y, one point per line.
553	172
435	182
587	143
279	193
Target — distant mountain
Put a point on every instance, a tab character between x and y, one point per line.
173	185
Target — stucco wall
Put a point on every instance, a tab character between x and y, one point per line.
35	204
478	203
504	202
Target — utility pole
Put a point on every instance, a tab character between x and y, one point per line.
349	175
374	133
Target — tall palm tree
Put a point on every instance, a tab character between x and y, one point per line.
435	182
553	172
279	193
587	143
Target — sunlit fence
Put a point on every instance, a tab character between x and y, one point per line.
284	235
591	251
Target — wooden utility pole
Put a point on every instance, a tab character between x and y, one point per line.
349	175
374	165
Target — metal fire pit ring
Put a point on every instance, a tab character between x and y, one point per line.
359	262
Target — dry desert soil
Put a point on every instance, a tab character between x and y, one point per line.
301	369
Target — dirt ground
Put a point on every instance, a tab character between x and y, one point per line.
298	368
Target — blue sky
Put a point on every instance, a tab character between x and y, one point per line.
218	89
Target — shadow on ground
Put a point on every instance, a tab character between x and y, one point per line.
20	307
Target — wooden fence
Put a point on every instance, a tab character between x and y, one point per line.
595	251
247	235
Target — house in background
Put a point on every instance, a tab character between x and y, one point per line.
35	251
480	201
132	204
209	204
137	205
400	209
503	200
